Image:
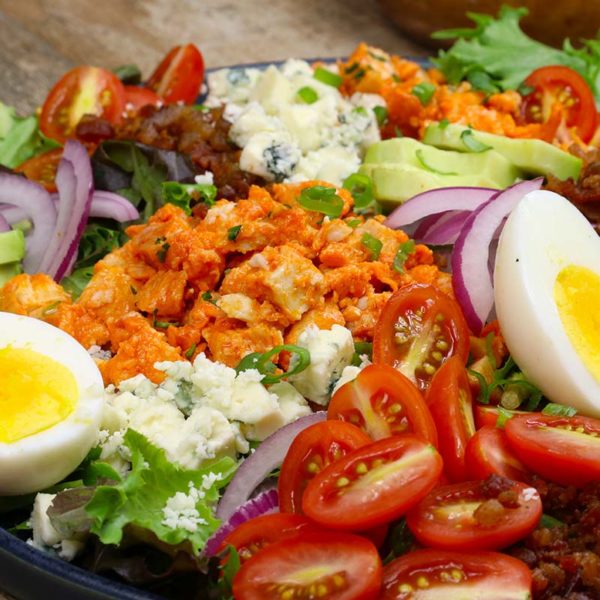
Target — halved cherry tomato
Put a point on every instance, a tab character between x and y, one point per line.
439	574
560	84
374	484
338	566
476	515
252	536
383	402
562	449
137	97
42	168
488	453
312	450
418	330
451	406
179	76
81	91
486	414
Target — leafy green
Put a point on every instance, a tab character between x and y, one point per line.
77	280
499	48
549	522
187	195
139	499
128	74
362	349
399	541
20	138
232	566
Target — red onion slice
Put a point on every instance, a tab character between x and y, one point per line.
108	205
268	456
447	229
12	214
471	276
35	202
438	201
267	502
4	226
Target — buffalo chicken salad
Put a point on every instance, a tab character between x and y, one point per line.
313	330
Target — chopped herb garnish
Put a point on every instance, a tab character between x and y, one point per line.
322	199
381	114
361	188
162	253
262	362
162	324
404	251
308	94
472	144
424	92
233	232
398	132
558	410
190	351
359	74
353	223
421	158
207	297
361	110
133	290
351	68
328	77
372	244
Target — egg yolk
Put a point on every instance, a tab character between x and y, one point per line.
577	296
36	392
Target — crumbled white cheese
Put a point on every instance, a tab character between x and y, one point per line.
180	512
350	373
97	353
330	352
207	178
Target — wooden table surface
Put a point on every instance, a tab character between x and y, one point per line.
41	39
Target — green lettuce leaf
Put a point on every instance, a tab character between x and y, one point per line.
139	499
499	48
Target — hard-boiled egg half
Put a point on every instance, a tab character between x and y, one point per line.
51	397
547	294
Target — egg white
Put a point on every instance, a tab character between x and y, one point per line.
40	460
542	235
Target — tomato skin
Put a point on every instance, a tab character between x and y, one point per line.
552	81
488	575
447	518
449	400
253	535
352	559
545	445
382	481
383	402
179	76
137	97
82	90
488	453
312	450
431	328
42	168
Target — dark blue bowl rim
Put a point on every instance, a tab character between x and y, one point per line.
55	567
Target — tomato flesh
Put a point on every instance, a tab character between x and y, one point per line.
561	85
137	97
42	168
81	91
374	484
449	400
179	76
486	414
418	330
312	450
383	402
438	574
562	449
331	565
475	515
488	453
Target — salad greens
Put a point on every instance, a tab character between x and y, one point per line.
496	54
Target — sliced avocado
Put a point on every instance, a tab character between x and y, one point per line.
394	183
8	271
12	246
533	156
412	153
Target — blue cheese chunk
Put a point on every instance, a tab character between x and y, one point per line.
272	155
330	352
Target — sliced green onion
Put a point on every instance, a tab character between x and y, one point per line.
207	297
398	132
424	92
361	110
263	364
322	199
351	68
361	349
443	124
381	114
421	158
558	410
308	94
404	251
372	244
190	351
328	77
503	416
353	223
472	144
233	232
361	188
